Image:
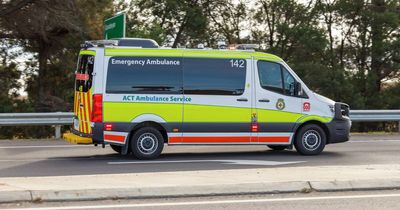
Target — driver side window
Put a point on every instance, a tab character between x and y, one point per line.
276	78
288	82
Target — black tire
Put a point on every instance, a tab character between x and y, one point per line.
310	140
116	148
147	143
277	147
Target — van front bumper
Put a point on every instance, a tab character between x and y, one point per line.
75	139
339	130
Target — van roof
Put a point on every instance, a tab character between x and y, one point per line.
177	52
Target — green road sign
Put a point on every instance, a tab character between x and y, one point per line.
115	27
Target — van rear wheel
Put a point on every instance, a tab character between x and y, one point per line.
277	147
147	143
310	140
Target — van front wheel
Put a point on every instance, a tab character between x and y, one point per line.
147	143
310	140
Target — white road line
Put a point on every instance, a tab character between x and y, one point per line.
191	203
50	159
372	141
42	146
60	159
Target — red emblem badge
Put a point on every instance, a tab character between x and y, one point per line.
306	106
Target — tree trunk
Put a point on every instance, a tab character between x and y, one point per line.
180	31
377	52
43	55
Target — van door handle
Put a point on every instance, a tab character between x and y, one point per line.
242	99
264	100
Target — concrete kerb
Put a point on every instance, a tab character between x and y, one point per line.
15	196
161	192
190	191
355	185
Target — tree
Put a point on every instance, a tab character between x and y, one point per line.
9	84
367	46
291	30
175	23
51	29
227	20
51	33
384	22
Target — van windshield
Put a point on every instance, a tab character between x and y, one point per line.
83	73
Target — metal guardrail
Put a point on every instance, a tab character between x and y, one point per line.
374	115
57	119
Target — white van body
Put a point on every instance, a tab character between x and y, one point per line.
137	99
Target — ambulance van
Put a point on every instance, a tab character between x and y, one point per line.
136	97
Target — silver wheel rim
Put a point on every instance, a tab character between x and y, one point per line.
147	143
311	140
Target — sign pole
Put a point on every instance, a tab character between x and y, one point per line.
124	26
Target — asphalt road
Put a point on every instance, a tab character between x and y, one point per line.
54	158
370	200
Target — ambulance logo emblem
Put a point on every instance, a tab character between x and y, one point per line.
306	106
280	104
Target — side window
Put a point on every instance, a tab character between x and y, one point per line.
288	82
275	77
214	76
158	75
270	76
83	74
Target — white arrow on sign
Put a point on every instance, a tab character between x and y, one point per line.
229	162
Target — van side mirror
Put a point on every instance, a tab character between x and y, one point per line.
298	91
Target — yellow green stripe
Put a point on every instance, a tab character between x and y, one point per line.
87	52
322	119
265	115
144	52
190	53
205	113
216	54
126	112
266	56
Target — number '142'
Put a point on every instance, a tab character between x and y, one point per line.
237	63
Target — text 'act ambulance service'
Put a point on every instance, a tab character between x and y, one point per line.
136	97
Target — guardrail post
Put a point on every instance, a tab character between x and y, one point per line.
58	132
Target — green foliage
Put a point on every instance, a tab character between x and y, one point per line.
9	84
51	33
174	23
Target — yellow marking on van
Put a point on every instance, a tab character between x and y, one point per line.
322	119
126	112
190	53
207	113
87	52
265	115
